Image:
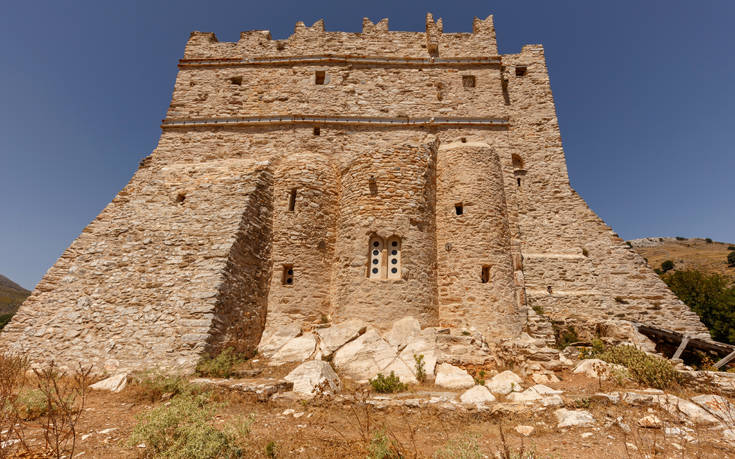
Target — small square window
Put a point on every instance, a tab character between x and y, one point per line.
521	70
485	275
468	81
459	208
320	76
236	80
287	278
317	131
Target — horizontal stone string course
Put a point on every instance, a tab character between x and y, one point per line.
342	120
328	59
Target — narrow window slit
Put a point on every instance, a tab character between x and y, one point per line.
317	131
459	208
292	200
485	275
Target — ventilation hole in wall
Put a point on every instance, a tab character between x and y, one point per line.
485	274
517	161
376	260
394	243
373	185
506	94
320	76
394	258
180	198
317	131
518	179
280	45
587	254
376	244
287	278
463	140
521	70
458	208
236	80
292	200
394	270
549	289
468	81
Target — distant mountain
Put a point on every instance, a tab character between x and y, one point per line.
11	296
686	254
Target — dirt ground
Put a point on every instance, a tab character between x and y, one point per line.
343	428
695	254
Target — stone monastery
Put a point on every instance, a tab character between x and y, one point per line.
337	176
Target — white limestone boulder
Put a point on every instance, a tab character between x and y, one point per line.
718	406
314	377
596	368
421	345
688	411
399	368
296	350
527	396
573	418
453	377
477	395
504	383
364	357
650	421
275	338
403	331
336	336
113	383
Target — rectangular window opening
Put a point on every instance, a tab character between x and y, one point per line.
485	276
317	131
468	81
521	70
519	181
287	278
320	76
458	208
236	80
292	200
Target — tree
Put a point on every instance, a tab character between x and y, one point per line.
710	298
731	258
667	265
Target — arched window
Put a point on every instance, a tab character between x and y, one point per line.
394	257
376	266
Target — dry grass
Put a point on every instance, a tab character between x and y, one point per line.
691	254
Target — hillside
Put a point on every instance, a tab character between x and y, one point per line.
687	254
11	295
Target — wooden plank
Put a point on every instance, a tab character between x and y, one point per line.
725	360
681	348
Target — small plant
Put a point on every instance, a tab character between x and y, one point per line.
31	404
679	238
183	429
324	319
387	384
564	336
731	247
464	447
221	365
731	258
629	244
4	319
708	240
480	378
666	266
647	369
538	309
583	402
466	333
383	447
13	370
271	449
153	384
620	299
420	370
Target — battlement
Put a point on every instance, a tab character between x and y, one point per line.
375	39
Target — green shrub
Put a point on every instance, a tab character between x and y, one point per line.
420	371
465	447
32	404
646	369
271	449
153	384
667	265
564	336
731	247
538	309
731	258
4	319
221	365
387	384
382	447
710	297
183	429
679	238
708	240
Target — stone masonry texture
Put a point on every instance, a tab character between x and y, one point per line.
281	162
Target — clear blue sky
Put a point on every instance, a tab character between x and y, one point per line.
645	93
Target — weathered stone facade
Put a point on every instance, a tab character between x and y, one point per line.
334	176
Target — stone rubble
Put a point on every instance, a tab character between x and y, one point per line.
314	377
452	377
114	383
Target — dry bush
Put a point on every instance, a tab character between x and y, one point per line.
65	398
13	371
220	366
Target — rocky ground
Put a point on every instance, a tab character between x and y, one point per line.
309	396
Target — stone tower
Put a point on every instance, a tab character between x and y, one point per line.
331	176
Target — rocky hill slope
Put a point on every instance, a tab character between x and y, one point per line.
687	254
11	295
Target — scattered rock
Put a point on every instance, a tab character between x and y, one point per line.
364	357
403	331
613	397
545	390
421	345
524	430
650	422
477	395
540	378
314	377
526	396
573	418
596	368
336	336
296	350
687	410
718	406
452	377
504	383
274	339
113	383
401	369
